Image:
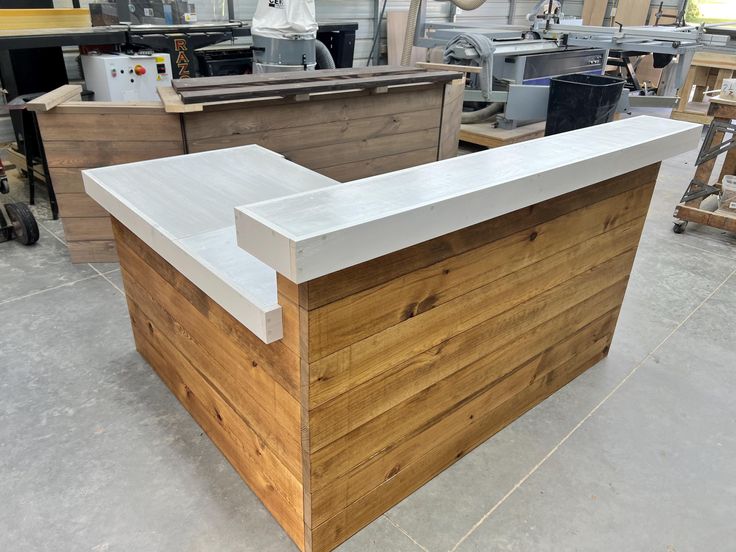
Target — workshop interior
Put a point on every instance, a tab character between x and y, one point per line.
376	275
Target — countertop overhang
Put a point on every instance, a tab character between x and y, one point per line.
314	233
302	225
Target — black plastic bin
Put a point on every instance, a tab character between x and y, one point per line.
579	101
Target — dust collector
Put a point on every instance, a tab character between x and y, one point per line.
285	37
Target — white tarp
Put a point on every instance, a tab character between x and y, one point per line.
285	19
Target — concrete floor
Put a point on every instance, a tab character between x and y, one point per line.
636	454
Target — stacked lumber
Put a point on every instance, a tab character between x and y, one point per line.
42	18
303	83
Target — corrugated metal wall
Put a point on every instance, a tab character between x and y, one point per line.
362	11
497	11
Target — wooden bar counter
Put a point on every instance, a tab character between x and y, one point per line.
371	128
342	344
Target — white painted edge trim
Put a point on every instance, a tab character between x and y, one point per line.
311	256
266	323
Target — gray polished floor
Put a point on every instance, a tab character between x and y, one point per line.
637	454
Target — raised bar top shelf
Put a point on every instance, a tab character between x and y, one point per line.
303	225
308	235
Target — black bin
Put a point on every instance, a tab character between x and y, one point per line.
579	101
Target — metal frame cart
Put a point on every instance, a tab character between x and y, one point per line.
21	224
720	139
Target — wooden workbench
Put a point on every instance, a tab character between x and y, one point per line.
342	344
349	133
486	134
690	211
707	71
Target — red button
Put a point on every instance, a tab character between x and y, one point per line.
140	70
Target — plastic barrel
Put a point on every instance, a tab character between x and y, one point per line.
579	101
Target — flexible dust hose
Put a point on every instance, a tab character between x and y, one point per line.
468	4
324	57
411	29
411	24
481	115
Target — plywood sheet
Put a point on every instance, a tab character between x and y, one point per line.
594	12
632	13
42	18
395	34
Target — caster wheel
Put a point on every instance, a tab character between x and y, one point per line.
4	187
679	227
24	223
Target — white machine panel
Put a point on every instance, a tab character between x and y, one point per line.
126	78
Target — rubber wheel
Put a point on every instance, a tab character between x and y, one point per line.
679	227
7	233
4	187
24	223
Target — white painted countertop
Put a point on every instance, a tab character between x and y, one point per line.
307	235
182	207
304	225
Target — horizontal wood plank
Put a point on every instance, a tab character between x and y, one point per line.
87	155
109	127
93	251
389	428
87	228
279	491
79	205
359	404
456	435
55	97
255	79
107	108
313	86
313	135
276	359
362	314
362	150
719	219
234	122
380	165
272	414
486	135
67	181
366	275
